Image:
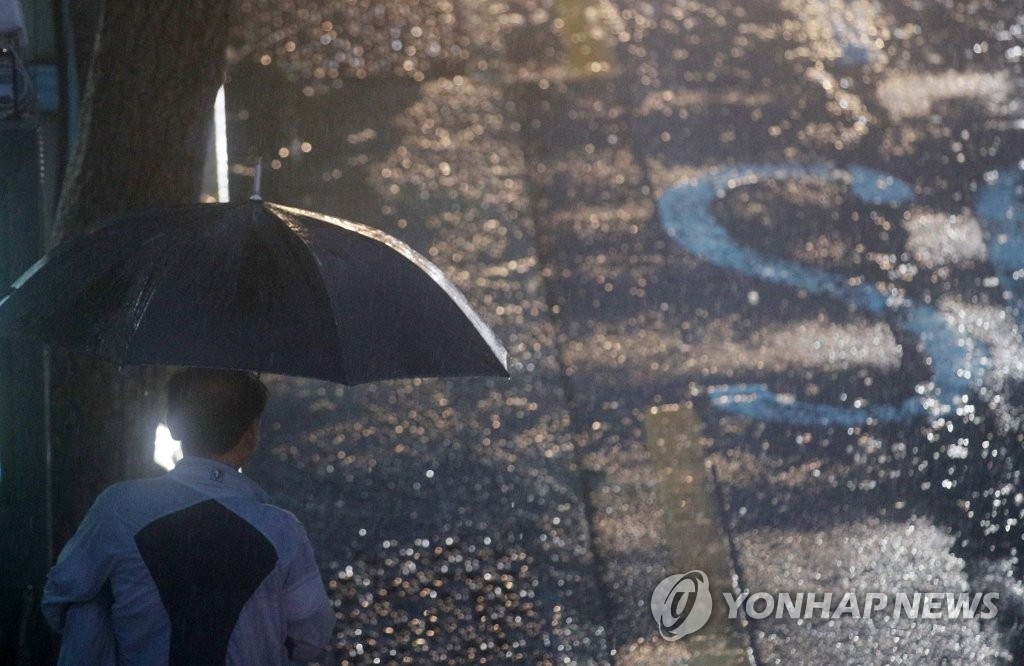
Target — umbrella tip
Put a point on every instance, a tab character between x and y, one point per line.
257	181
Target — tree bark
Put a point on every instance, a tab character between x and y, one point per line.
145	119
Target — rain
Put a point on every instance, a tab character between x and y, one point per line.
786	234
758	269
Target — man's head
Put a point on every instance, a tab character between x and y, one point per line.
209	410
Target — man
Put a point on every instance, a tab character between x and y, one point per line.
193	567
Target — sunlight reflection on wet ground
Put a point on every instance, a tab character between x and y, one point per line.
525	148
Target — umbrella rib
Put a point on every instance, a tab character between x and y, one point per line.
284	214
421	262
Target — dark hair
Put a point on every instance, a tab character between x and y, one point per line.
208	410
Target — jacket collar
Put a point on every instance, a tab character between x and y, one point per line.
216	478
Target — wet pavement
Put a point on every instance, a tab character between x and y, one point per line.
798	221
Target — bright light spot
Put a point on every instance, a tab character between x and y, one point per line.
166	449
220	129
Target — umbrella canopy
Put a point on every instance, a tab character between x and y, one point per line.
254	286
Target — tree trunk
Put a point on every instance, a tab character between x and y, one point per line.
155	71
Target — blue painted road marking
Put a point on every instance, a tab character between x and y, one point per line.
959	362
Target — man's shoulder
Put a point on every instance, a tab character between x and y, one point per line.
126	490
279	525
138	501
266	514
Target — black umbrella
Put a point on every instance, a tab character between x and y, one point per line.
254	286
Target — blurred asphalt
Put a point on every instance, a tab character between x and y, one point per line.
525	147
